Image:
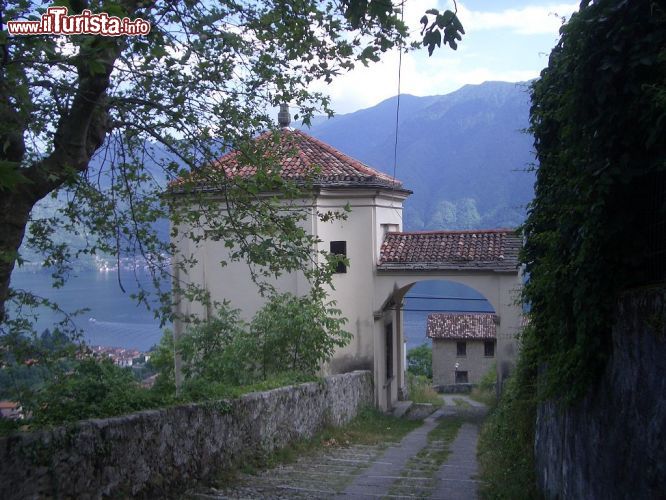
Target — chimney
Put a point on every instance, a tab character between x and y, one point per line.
284	119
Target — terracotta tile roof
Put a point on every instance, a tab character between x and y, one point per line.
462	326
495	250
302	157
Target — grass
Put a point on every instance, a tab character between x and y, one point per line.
421	391
370	427
428	460
506	445
485	392
461	403
488	398
443	434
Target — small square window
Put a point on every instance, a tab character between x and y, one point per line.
339	248
461	377
461	349
489	348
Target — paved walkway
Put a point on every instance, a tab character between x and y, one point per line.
457	477
412	468
376	481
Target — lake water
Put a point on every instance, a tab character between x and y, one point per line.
114	319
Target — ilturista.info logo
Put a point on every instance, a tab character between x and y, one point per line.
56	21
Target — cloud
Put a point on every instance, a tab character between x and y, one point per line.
527	20
477	59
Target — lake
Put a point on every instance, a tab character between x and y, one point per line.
114	319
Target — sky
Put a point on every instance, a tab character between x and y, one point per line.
507	40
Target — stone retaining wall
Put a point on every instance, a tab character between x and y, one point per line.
152	453
612	443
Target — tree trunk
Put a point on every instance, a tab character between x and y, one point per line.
14	214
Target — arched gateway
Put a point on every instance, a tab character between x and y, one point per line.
384	261
484	260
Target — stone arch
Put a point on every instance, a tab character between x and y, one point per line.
499	288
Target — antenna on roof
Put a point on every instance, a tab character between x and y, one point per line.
284	118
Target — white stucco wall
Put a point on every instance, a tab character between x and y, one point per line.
362	293
353	291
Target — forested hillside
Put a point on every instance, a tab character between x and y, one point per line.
465	155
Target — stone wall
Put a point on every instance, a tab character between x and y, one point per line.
153	453
613	443
444	359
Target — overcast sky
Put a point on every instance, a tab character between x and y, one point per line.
506	40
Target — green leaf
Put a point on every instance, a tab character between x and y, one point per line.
11	176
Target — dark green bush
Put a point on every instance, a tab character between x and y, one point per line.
92	389
599	120
297	334
419	361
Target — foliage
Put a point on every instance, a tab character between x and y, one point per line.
81	117
29	361
444	28
485	392
92	389
420	390
297	333
419	361
599	119
288	339
213	350
506	442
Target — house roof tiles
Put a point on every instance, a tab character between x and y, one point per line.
495	250
305	158
462	326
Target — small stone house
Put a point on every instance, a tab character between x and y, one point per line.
463	346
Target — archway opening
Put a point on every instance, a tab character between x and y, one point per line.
449	334
434	296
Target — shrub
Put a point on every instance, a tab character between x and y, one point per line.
419	361
421	390
485	391
297	334
289	335
92	389
506	442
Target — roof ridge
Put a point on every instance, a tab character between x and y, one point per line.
462	313
454	231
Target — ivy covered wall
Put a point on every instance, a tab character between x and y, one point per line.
596	224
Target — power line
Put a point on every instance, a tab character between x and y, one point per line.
397	114
432	297
437	310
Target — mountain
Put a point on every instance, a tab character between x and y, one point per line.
464	154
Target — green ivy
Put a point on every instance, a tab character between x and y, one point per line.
599	120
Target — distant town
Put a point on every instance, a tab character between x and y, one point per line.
121	356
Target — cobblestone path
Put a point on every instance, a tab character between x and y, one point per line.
420	466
